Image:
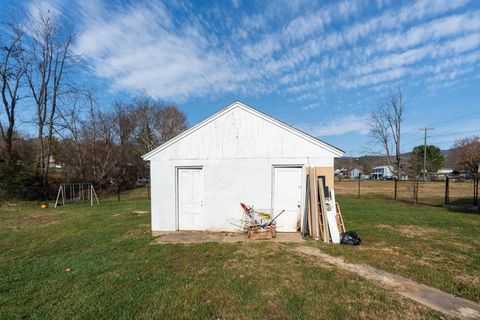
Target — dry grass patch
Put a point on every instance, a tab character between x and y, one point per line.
38	218
410	231
469	279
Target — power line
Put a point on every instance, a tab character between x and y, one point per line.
454	133
410	141
445	142
474	115
468	116
439	135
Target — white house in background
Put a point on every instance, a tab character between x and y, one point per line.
239	154
52	163
341	172
382	172
355	173
444	172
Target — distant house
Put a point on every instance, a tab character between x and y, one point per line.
382	173
341	172
356	173
52	163
445	171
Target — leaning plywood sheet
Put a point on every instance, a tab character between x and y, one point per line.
314	205
307	223
323	206
332	218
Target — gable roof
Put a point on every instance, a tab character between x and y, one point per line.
237	104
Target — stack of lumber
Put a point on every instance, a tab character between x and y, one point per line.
322	217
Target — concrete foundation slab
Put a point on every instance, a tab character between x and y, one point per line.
222	237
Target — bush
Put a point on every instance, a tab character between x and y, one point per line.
20	181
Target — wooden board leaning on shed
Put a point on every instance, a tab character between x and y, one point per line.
316	205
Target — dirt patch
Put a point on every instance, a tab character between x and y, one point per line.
139	212
43	218
112	274
380	247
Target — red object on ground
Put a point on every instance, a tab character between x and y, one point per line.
245	207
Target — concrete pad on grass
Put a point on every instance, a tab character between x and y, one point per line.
187	237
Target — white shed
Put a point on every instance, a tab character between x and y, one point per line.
239	154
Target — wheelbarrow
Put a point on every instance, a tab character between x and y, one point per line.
259	225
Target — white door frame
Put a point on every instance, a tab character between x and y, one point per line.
302	196
177	199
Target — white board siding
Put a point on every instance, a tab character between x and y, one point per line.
237	149
226	184
240	134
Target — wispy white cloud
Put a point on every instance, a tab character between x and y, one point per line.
305	25
396	18
298	49
236	3
141	48
434	30
340	125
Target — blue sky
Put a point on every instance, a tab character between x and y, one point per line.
320	66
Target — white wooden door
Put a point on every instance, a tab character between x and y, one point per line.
287	194
190	199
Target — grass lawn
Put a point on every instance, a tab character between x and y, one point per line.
431	245
115	273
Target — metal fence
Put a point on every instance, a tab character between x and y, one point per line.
452	191
27	193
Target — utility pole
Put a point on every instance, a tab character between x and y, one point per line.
350	167
425	153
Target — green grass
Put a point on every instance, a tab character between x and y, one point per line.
431	245
116	273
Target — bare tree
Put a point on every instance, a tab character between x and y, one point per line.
379	131
147	117
170	122
12	72
48	59
98	146
98	133
87	147
385	127
394	116
73	146
139	127
467	154
157	123
102	146
127	156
